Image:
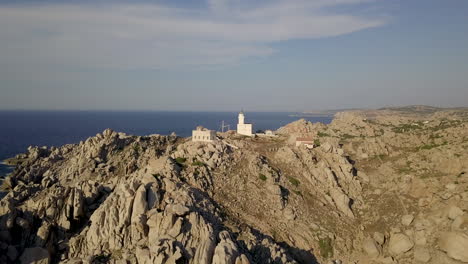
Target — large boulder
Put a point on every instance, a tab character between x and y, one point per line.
226	251
370	247
399	244
455	244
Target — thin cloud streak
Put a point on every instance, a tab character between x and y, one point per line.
152	36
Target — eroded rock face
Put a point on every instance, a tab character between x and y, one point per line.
329	171
172	230
378	187
121	198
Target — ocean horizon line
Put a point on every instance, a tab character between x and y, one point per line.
149	111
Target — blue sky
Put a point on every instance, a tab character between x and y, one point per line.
223	55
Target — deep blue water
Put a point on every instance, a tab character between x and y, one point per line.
20	129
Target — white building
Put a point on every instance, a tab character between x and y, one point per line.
308	142
242	127
204	135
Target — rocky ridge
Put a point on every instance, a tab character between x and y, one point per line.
386	186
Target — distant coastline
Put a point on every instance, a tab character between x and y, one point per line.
320	113
21	129
305	115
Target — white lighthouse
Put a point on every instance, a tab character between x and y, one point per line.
242	127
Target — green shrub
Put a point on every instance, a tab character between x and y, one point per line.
262	177
294	181
429	146
180	161
317	142
136	148
198	163
406	128
323	134
297	192
326	248
405	170
347	136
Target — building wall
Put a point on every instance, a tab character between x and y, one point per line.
307	143
241	119
203	135
244	129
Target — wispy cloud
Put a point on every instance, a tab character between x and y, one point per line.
132	36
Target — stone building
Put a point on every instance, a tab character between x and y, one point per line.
204	135
242	127
308	142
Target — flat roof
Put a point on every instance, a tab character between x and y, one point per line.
305	139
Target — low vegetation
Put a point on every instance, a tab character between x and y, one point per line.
432	145
317	142
407	127
198	163
347	136
180	161
294	181
323	134
326	248
136	148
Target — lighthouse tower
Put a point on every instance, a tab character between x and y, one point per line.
241	118
242	127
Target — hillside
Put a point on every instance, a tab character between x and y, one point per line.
380	186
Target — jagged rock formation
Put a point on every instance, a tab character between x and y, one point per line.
386	186
120	198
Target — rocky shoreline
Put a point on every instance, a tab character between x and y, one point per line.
381	186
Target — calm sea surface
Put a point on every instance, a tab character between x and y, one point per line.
20	129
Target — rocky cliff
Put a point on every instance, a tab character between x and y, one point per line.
386	186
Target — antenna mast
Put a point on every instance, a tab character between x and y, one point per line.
224	125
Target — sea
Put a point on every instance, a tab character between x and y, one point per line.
20	129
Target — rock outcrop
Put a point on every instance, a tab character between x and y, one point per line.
122	198
384	186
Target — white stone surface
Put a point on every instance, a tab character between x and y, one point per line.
242	127
203	135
